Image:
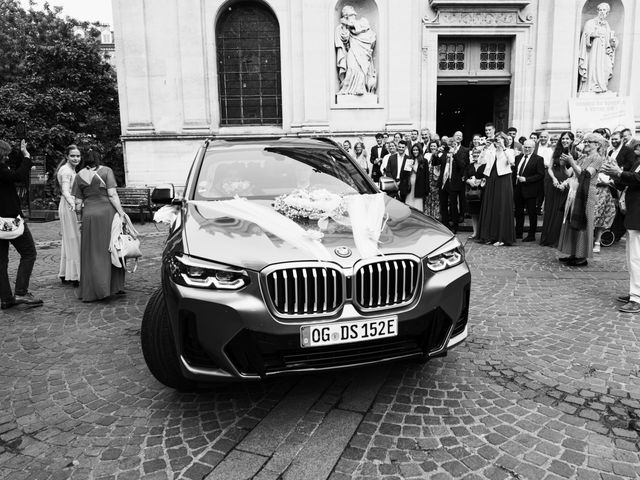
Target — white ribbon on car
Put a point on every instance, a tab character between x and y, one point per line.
366	217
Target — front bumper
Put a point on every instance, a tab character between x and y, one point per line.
233	335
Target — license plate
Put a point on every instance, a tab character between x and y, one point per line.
348	332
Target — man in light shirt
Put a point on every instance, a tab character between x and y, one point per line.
546	152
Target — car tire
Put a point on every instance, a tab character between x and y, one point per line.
158	347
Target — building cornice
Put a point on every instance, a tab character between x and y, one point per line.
479	4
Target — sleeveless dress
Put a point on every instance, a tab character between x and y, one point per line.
69	228
98	278
554	200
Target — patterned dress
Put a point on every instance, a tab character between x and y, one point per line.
432	201
579	243
605	210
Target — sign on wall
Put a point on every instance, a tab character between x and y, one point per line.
599	111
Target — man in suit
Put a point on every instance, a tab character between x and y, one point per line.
461	156
394	161
528	178
450	184
378	152
629	179
620	152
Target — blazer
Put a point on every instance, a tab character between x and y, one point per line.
377	153
9	200
504	160
625	157
534	173
630	178
455	183
421	188
392	169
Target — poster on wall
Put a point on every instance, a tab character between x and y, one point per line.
599	111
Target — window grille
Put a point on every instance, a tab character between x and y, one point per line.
248	54
492	55
451	56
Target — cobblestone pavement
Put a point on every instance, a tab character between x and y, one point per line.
546	386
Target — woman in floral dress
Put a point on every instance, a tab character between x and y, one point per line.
432	203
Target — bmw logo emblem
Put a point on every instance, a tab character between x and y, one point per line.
343	252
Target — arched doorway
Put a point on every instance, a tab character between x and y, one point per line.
248	60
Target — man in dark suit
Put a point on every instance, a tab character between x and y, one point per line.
450	185
378	152
621	153
528	178
629	180
460	156
395	161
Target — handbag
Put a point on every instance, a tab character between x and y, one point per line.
127	245
473	194
11	228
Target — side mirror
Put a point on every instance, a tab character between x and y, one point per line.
163	194
388	185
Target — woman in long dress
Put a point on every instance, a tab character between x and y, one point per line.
70	230
556	190
95	190
432	207
605	208
414	179
496	222
576	234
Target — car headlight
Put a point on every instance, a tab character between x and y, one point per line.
195	272
447	256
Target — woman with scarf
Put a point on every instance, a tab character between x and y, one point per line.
576	234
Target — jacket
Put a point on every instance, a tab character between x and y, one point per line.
9	200
503	159
533	173
630	178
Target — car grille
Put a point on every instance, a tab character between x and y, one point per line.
387	283
306	290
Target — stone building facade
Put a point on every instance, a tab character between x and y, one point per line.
190	69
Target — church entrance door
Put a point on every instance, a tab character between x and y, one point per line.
468	107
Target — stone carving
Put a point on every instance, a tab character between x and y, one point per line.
598	45
474	18
355	42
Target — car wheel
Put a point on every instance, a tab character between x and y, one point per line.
158	345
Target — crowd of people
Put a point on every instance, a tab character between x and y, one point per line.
580	184
89	204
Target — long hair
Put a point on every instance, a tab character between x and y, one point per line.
65	158
559	150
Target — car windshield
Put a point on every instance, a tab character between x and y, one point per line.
268	172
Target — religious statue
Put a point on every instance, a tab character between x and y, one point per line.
597	52
355	42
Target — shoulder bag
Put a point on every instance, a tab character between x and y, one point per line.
11	228
127	245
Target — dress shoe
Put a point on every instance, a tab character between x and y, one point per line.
529	239
624	298
28	299
630	307
578	262
566	259
5	304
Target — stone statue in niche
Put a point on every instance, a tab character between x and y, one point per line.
598	45
355	42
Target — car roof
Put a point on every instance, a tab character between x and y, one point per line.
292	142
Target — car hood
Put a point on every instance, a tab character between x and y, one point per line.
253	237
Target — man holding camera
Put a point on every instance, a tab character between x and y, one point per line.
10	209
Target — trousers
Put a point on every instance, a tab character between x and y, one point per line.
633	264
27	249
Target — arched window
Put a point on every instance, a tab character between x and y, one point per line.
248	50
